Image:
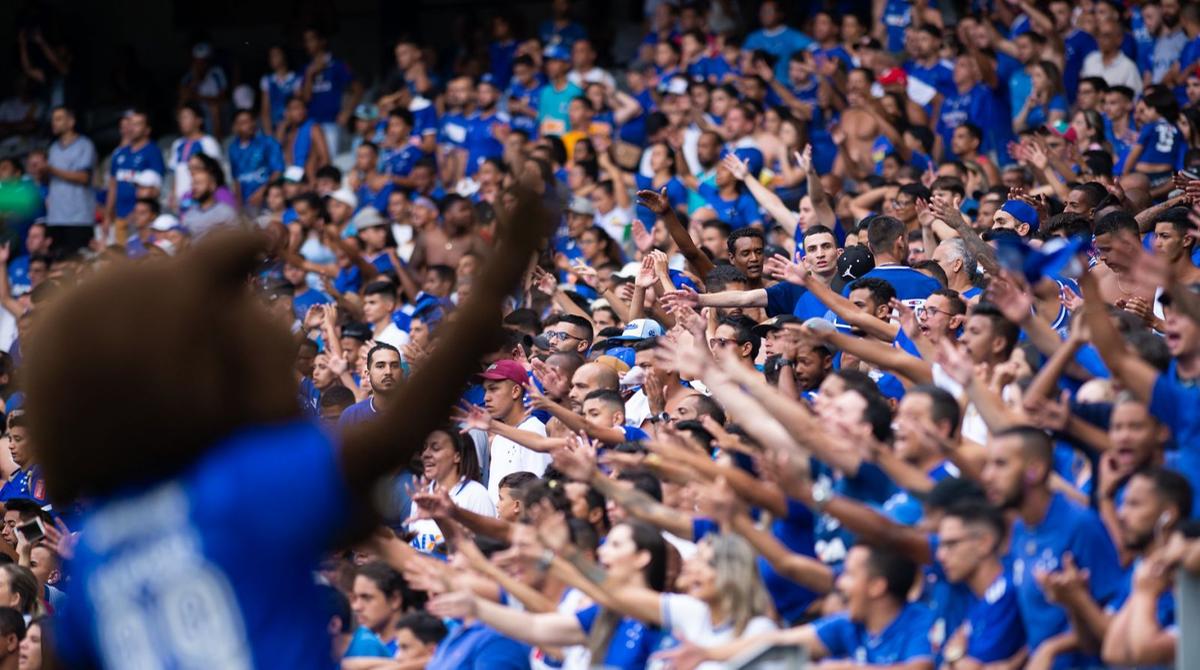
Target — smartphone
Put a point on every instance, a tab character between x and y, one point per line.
33	531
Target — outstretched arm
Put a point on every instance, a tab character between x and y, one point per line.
1134	373
657	202
371	449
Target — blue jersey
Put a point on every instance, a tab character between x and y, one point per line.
529	96
975	106
425	118
939	75
399	162
377	199
836	52
126	163
781	42
911	286
481	138
993	627
302	144
1067	527
18	275
1170	403
1077	45
252	163
276	90
869	485
897	17
739	212
453	130
905	639
25	483
631	643
501	56
328	86
1162	143
477	647
169	562
306	299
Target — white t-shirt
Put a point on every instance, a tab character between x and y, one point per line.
1121	72
973	426
615	222
508	457
688	618
637	409
177	162
468	494
394	336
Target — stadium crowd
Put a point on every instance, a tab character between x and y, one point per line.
868	328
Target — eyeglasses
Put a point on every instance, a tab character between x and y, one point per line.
896	202
561	335
929	312
720	342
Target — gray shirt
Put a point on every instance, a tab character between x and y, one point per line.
69	203
199	221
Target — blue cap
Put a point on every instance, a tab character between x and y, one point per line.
1023	212
489	79
752	157
624	354
556	52
640	329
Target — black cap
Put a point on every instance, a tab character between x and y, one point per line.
358	331
856	261
775	323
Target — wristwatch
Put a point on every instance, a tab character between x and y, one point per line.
822	493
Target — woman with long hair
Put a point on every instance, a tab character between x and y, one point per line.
19	590
1046	102
1189	124
449	462
634	555
31	651
1088	125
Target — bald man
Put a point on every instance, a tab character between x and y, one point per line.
591	377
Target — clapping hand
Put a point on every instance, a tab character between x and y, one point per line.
740	169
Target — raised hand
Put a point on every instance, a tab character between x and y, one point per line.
925	215
586	274
948	213
436	503
1037	156
544	281
908	318
955	361
642	238
646	277
655	201
804	158
781	267
684	297
456	605
577	460
1014	301
473	417
740	169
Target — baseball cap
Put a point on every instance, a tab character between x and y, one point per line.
581	205
774	323
367	217
855	262
294	174
624	355
366	111
1022	212
640	329
425	202
345	196
489	79
556	52
147	179
892	76
676	86
358	331
165	223
506	370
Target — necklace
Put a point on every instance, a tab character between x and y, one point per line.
1122	286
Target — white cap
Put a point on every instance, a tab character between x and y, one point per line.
346	196
294	173
368	217
630	270
164	223
166	246
147	179
677	86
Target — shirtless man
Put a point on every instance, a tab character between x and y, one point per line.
1116	287
858	129
435	247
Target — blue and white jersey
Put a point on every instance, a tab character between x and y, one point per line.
399	161
911	286
126	163
1161	143
481	142
161	577
453	130
277	89
329	84
252	163
905	639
